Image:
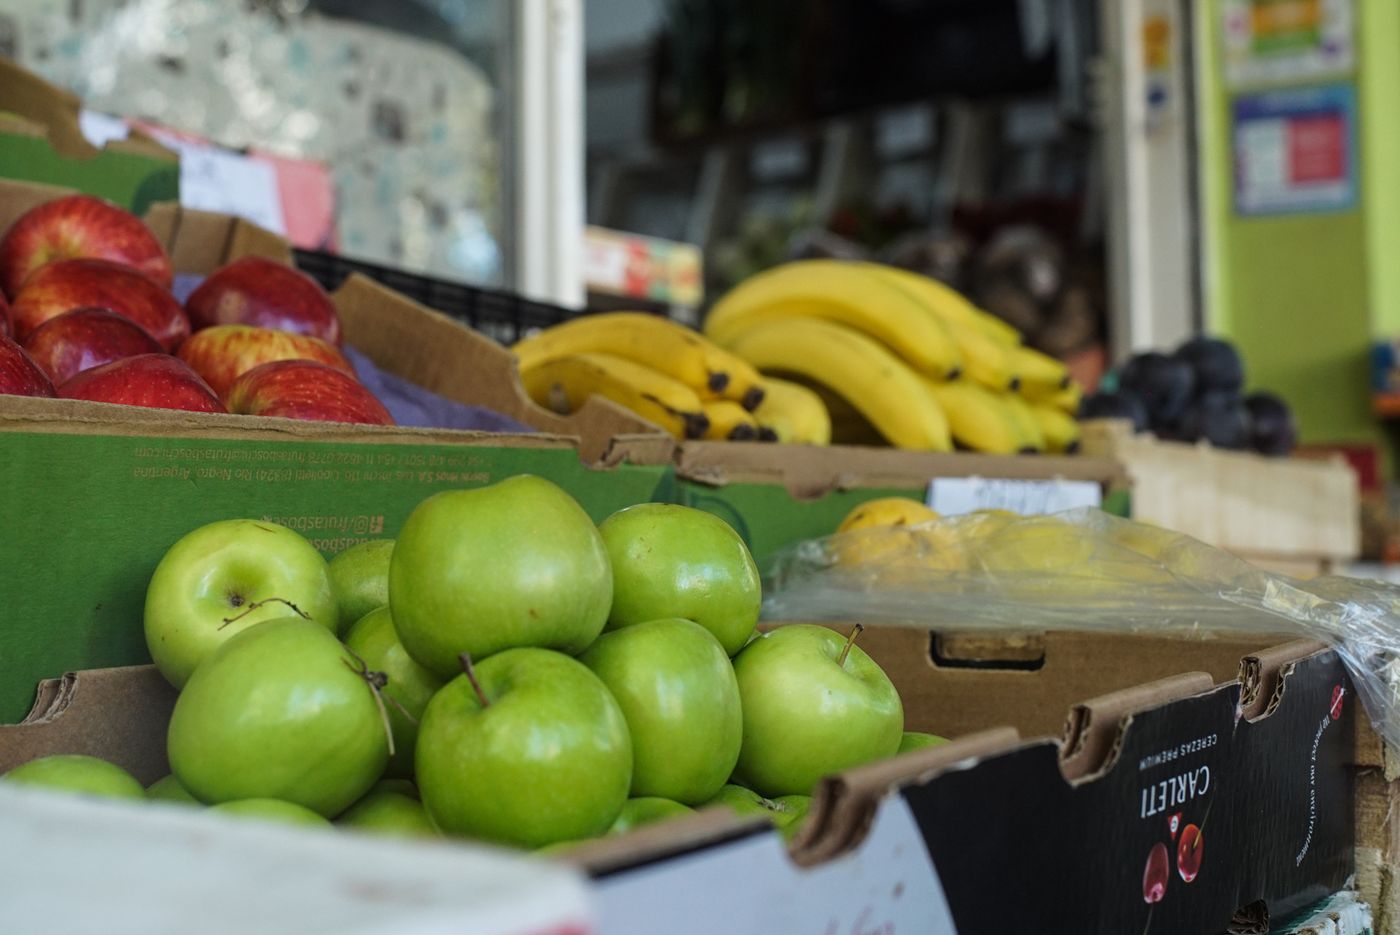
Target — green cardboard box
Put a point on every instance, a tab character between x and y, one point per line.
41	141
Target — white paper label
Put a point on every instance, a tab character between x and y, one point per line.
955	496
751	886
216	179
99	129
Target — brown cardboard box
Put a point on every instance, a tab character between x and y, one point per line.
1297	516
399	335
1081	790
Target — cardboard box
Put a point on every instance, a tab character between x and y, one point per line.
397	334
1296	516
779	495
97	493
989	833
41	141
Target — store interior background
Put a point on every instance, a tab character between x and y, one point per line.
1069	165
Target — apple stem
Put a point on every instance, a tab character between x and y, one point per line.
850	641
257	604
466	660
376	682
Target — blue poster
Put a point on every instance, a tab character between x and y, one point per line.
1295	150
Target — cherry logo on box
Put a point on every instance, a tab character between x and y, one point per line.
1189	852
1156	874
1338	694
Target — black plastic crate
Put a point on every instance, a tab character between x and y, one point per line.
504	316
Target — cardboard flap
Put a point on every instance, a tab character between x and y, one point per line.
77	417
844	805
55	111
75	718
1263	674
201	242
18	197
809	472
1094	729
656	842
448	358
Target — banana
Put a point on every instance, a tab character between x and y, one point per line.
729	420
877	383
1067	399
1032	439
654	341
979	418
886	511
987	357
1042	376
845	293
794	412
1061	431
950	304
564	383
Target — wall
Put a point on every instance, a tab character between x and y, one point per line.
1296	291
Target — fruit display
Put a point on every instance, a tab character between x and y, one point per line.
662	371
522	677
898	358
1196	394
817	351
85	299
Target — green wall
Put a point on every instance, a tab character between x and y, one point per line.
1296	292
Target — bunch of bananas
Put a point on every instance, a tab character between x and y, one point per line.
669	375
899	353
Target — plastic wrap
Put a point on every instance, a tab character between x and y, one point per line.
1085	570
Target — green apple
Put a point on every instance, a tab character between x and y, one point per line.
676	561
645	810
676	688
225	577
518	563
399	786
528	748
915	740
71	772
785	812
373	639
389	813
277	810
280	711
814	704
360	579
168	789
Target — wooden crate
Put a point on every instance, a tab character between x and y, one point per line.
1295	516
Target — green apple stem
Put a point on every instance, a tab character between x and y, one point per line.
257	604
376	682
850	641
466	660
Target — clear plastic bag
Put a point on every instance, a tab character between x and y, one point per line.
1085	570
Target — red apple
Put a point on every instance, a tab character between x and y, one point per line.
79	226
19	375
5	331
64	285
85	338
224	353
303	389
256	291
157	381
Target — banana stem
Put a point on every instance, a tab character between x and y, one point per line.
466	660
850	641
